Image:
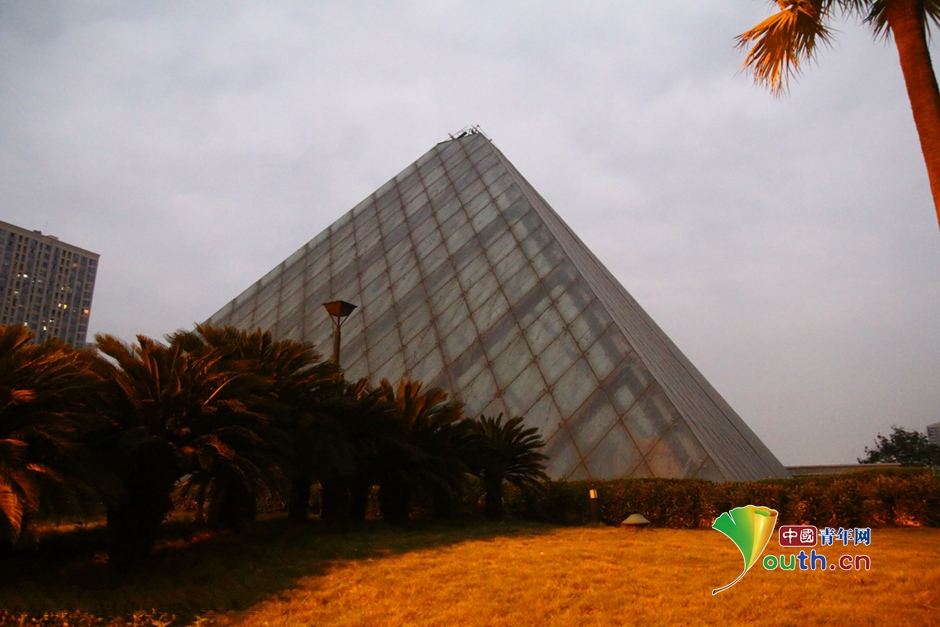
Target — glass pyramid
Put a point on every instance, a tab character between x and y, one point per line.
466	279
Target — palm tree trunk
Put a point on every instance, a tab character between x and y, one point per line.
906	20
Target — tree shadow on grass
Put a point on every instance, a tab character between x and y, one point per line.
195	571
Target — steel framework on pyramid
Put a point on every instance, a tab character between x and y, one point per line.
467	280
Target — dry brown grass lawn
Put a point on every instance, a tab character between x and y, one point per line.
603	576
480	575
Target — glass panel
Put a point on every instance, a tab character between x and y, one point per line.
491	232
391	218
470	250
627	382
395	236
398	251
459	339
516	210
547	259
346	283
678	454
428	368
544	330
495	408
466	367
435	180
418	321
450	307
530	306
387	346
498	336
534	244
509	363
481	291
519	284
592	421
393	369
558	357
574	299
481	391
317	263
371	267
412	195
494	176
421	220
560	278
404	284
379	328
484	159
574	387
368	241
456	164
445	205
411	301
479	203
376	298
508	197
510	263
710	472
341	249
266	315
590	324
402	266
607	352
525	390
432	253
562	456
615	457
459	237
468	186
494	307
580	474
543	415
649	418
529	224
292	297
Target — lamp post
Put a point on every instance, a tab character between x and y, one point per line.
338	310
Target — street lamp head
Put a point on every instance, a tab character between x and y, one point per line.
339	308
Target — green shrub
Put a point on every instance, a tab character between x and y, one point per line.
868	498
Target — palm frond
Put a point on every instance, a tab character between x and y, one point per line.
785	40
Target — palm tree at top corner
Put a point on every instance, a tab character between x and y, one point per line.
789	37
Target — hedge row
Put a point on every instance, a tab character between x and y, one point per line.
868	498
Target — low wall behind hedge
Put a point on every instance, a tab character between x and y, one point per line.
876	498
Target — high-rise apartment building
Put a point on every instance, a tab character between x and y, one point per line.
933	433
45	285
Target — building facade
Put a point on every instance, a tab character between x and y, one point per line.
933	433
46	285
466	279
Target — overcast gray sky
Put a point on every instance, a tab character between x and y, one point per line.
789	247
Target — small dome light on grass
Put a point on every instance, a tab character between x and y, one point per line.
635	522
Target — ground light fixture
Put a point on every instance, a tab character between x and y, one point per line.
595	505
339	310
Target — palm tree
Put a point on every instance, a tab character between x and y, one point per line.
506	452
44	412
789	37
173	412
428	460
295	388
